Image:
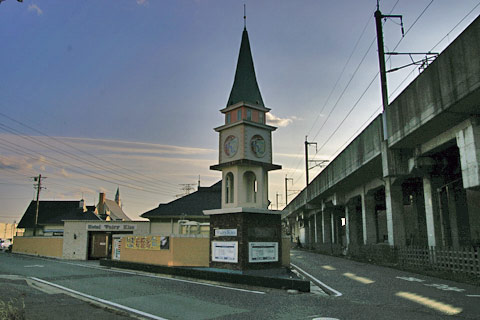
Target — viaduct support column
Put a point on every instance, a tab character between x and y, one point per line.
432	215
395	221
468	142
368	218
327	224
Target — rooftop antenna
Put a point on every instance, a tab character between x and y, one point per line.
245	16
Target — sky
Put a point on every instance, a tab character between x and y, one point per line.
100	95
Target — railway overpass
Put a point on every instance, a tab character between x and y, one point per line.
419	185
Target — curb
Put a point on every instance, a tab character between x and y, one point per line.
268	282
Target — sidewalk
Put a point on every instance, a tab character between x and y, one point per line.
26	299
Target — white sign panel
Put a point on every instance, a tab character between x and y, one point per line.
116	248
225	251
110	227
262	251
225	232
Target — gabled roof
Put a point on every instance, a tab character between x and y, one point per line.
245	86
116	213
205	198
54	212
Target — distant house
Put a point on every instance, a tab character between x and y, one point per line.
185	212
110	210
51	215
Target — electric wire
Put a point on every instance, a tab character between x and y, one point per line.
334	86
70	155
150	180
60	164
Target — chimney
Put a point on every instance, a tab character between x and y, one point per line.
81	205
101	202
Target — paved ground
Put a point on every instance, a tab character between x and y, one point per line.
390	291
367	292
37	301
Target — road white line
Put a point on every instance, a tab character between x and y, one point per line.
110	303
357	278
430	303
315	280
163	278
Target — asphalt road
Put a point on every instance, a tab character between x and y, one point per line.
385	293
367	292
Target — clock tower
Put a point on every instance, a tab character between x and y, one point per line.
245	144
244	234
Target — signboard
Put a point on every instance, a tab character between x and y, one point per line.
225	251
225	232
110	227
116	248
147	243
262	252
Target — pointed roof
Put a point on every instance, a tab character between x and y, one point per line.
117	195
245	86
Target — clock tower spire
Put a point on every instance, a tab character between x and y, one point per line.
245	155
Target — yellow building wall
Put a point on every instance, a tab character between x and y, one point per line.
42	246
184	251
192	252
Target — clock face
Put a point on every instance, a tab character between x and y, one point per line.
257	144
230	146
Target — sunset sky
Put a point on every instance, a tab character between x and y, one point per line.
97	95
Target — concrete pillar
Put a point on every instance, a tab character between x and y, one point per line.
352	223
468	142
348	221
327	225
432	216
452	215
395	222
368	219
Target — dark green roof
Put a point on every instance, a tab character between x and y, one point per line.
205	198
54	212
245	86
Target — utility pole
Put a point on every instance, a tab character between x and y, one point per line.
286	191
318	163
306	158
186	187
277	200
38	186
381	60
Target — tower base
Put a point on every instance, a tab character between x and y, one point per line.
245	239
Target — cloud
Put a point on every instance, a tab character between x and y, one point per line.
34	7
64	173
127	147
279	122
14	163
142	2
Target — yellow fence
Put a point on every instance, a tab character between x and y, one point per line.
169	251
174	251
41	246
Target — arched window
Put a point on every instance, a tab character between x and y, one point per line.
250	183
229	188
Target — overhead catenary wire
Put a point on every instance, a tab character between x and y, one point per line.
363	93
333	88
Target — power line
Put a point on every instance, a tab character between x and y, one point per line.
78	169
335	85
72	155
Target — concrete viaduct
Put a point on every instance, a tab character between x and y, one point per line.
419	185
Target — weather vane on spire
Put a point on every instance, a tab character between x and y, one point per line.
245	16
